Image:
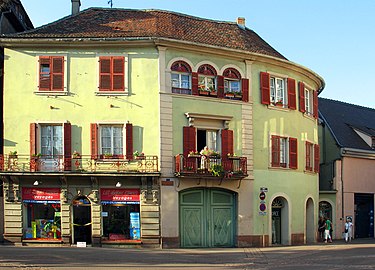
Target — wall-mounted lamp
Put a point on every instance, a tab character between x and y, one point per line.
36	183
118	184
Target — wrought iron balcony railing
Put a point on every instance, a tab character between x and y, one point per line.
210	166
79	164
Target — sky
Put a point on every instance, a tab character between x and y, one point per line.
333	38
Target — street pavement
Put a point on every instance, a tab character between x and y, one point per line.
360	254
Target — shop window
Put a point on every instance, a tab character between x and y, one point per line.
120	212
43	221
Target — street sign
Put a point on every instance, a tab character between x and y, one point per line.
262	196
263	189
262	207
262	213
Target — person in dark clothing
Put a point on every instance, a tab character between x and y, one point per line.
321	227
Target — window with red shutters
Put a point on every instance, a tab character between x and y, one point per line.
33	142
315	104
189	140
265	88
316	158
226	143
194	83
292	94
129	141
309	156
220	86
112	73
245	90
94	140
293	153
275	151
301	88
67	146
51	73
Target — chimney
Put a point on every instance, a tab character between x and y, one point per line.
75	6
241	22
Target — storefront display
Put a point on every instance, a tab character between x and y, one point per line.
120	213
43	220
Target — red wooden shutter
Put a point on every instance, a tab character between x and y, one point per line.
308	157
245	90
189	140
105	74
226	143
194	83
275	151
293	158
33	142
94	141
302	97
220	86
129	141
57	73
44	73
265	87
118	73
292	94
315	104
316	158
67	146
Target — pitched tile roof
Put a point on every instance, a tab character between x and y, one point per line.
342	117
135	24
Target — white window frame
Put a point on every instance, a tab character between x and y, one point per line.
180	80
228	85
207	82
51	139
100	138
311	156
309	101
278	94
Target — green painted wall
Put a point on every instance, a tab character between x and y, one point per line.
81	106
294	185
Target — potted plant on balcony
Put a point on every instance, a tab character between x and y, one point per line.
232	156
209	153
217	170
139	155
34	161
193	154
13	154
229	94
107	155
76	161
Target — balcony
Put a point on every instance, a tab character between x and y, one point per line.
198	166
82	164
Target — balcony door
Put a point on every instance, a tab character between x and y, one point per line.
207	218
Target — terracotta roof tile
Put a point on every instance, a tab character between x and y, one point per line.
125	23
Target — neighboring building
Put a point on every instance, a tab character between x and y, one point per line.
347	139
13	18
168	85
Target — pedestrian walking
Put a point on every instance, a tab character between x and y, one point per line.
348	230
327	231
321	227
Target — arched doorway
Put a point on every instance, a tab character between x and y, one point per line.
325	209
207	218
81	220
310	223
280	222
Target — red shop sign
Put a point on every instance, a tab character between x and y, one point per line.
119	195
41	194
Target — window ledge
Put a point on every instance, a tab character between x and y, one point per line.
310	172
309	116
111	93
278	108
51	93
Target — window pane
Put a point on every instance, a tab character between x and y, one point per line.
273	90
185	81
212	140
235	86
175	80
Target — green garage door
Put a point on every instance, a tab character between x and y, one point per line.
207	218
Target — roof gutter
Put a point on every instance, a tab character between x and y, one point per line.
357	153
241	54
